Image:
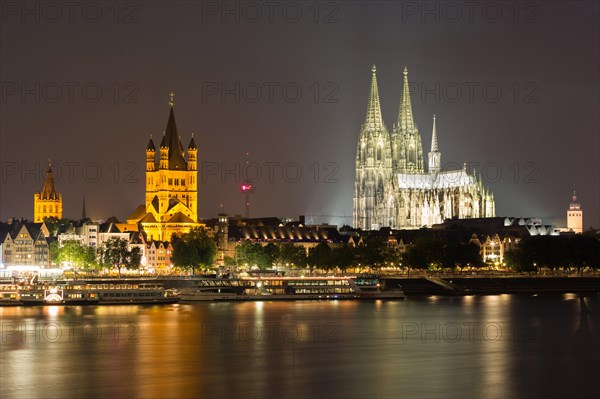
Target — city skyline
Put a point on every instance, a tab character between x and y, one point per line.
532	145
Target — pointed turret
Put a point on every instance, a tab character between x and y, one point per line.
192	145
151	146
435	156
192	153
374	120
150	155
405	115
434	141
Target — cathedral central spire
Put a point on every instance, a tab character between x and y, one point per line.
374	119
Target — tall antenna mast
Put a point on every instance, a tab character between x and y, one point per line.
247	188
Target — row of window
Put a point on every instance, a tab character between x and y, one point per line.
49	208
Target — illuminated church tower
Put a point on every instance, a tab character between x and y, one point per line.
47	203
575	215
373	165
171	205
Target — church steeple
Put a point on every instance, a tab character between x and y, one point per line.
575	215
405	115
48	202
374	120
172	143
49	191
406	141
373	165
434	155
171	203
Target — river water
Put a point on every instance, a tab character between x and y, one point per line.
497	346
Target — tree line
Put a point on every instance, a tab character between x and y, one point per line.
375	252
575	252
113	253
197	250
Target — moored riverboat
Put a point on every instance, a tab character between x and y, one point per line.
284	288
86	294
371	287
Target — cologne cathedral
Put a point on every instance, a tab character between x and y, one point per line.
392	187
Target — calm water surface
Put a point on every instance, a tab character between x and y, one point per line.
503	346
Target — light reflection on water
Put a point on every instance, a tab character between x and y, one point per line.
474	346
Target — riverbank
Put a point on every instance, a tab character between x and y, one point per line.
426	285
433	285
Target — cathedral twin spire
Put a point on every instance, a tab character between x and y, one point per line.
406	121
374	119
405	145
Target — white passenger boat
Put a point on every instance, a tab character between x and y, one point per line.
86	294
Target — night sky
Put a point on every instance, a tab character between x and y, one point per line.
515	89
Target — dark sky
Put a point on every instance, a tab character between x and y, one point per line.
515	90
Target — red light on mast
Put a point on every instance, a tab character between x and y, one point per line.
246	188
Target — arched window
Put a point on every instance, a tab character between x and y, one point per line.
380	189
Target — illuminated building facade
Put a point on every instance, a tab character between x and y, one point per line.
392	187
575	216
171	205
48	202
25	244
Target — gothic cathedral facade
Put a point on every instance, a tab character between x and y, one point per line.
392	187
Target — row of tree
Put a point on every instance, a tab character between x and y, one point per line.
197	249
114	253
426	253
563	252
